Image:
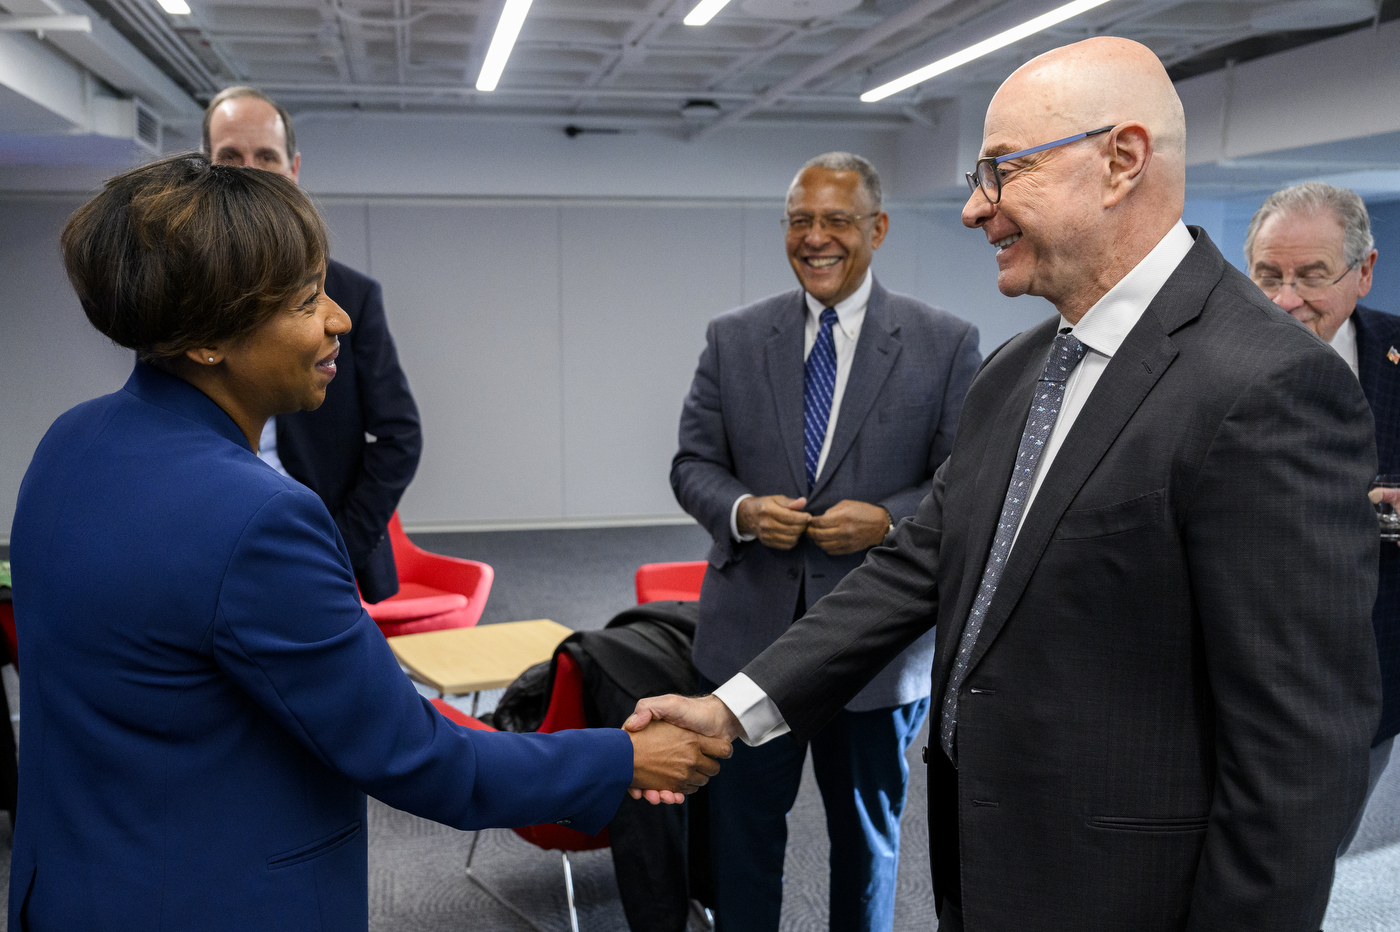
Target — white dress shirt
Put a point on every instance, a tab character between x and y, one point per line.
1344	342
1102	329
850	314
267	447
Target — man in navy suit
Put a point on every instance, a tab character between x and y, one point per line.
1310	249
815	422
326	449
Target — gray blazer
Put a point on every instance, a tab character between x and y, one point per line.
1165	721
741	431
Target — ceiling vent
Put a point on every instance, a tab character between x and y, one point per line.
127	118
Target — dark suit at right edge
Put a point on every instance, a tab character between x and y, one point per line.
1378	358
1166	717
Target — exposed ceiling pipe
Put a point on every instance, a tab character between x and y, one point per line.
156	30
863	43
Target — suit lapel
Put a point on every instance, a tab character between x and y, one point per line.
998	458
783	355
1368	356
1137	366
876	351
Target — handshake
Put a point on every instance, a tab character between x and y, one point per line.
677	744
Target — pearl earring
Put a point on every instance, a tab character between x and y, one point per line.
211	358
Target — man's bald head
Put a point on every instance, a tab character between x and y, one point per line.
1073	219
1100	81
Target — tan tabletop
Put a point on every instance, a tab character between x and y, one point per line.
465	660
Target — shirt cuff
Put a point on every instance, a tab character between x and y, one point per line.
757	714
734	520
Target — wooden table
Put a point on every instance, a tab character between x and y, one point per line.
468	660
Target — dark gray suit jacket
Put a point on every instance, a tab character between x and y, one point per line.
741	431
1166	719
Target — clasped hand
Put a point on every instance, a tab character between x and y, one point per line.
705	719
668	761
847	526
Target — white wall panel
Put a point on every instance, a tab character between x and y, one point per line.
638	286
349	235
51	358
472	295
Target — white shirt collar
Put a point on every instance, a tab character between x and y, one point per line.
850	313
1344	342
1105	326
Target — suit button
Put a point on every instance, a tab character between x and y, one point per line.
925	754
792	574
564	822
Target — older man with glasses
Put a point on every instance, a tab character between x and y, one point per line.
1149	557
815	422
1309	248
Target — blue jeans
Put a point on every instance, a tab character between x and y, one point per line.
858	758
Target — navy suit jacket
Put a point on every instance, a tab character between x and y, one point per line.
206	703
361	483
741	431
1377	337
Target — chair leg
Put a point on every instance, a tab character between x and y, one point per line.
502	901
569	889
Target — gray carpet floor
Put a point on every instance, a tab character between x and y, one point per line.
581	579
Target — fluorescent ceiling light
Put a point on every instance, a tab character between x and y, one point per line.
176	7
512	18
704	11
1029	28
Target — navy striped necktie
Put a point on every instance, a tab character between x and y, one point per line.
818	387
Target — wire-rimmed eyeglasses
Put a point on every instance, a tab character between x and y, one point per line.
801	224
1309	286
987	174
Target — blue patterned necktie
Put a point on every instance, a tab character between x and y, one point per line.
818	386
1065	354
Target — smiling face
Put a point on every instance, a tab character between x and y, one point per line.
248	132
1293	247
831	264
286	364
1044	227
1074	220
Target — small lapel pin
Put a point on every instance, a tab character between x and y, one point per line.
1393	356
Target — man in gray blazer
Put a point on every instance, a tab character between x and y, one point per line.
1150	558
816	419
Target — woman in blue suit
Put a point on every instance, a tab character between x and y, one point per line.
205	703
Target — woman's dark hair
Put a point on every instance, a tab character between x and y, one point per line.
181	253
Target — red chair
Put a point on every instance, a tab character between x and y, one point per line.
657	582
565	711
435	591
7	628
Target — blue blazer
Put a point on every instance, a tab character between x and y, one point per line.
205	702
741	431
361	483
1377	337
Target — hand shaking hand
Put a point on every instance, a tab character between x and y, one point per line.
706	719
668	762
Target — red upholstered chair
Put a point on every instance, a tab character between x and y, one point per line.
565	711
7	628
658	582
435	591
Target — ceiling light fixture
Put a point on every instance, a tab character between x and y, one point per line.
704	11
512	18
972	52
175	7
